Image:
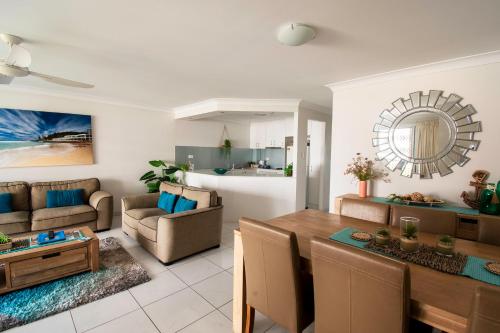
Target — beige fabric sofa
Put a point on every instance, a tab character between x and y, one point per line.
171	237
18	220
31	213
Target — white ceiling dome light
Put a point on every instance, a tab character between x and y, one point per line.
295	34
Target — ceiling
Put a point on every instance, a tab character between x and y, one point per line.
163	53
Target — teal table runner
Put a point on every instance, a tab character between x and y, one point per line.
455	209
474	267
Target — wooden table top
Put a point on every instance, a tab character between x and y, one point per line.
452	294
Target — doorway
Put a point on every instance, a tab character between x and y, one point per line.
315	164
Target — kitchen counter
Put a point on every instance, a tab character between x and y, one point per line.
243	173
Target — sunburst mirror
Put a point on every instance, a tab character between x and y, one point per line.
426	134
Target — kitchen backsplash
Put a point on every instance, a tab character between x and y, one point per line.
212	157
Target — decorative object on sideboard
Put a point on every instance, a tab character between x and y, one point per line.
479	184
426	134
416	198
488	204
5	242
220	171
409	227
363	170
167	173
36	138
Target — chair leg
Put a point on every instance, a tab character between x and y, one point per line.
249	319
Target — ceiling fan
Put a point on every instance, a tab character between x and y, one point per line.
18	61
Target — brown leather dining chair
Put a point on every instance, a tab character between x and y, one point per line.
275	284
433	221
365	210
489	230
357	292
485	315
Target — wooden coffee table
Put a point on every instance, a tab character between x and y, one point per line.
29	267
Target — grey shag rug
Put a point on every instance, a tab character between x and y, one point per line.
118	271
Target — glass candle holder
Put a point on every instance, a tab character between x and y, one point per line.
445	245
382	236
409	228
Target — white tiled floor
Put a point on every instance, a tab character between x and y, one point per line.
193	295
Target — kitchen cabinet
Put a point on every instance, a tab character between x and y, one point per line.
258	135
270	134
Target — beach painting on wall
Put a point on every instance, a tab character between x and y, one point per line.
37	138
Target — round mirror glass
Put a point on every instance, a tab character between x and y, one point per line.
422	135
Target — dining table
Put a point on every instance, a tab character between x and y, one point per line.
439	299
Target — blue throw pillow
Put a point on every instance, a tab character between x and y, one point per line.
5	202
167	201
63	198
184	204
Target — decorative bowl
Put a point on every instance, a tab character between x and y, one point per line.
220	171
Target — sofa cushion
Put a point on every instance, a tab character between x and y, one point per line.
184	204
5	203
20	194
48	218
171	188
141	213
39	190
64	198
167	201
15	217
205	198
147	227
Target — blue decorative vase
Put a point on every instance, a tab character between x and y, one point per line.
486	206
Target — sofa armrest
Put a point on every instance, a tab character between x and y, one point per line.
186	233
149	200
102	202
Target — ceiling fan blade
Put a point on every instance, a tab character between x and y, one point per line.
18	56
62	81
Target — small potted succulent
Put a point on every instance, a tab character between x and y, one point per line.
382	236
445	245
5	242
409	234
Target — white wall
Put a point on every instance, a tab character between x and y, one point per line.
125	138
208	133
356	110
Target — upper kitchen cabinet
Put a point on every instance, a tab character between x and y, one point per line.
275	134
258	135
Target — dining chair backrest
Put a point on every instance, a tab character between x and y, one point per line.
434	221
489	230
485	315
365	210
356	291
272	272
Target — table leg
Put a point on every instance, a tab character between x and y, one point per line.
94	254
239	297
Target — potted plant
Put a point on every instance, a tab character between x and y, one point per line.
409	234
445	245
153	180
363	171
382	236
5	242
289	170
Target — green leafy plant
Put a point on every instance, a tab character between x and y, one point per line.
448	240
226	148
383	233
4	239
410	231
152	179
289	170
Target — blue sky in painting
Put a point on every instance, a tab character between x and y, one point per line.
23	125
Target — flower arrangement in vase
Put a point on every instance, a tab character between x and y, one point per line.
5	242
363	170
445	245
382	236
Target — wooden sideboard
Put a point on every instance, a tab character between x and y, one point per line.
467	225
